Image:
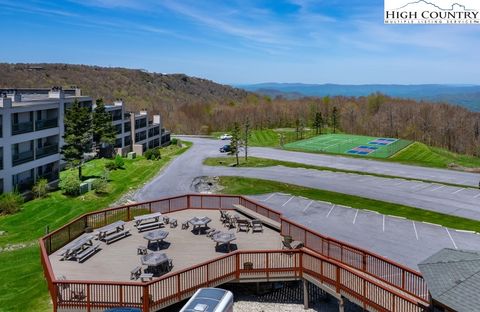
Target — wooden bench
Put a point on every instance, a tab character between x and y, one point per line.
116	236
255	215
145	276
135	273
150	225
87	252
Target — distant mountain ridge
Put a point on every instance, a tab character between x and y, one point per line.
464	95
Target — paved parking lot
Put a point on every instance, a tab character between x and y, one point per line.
405	241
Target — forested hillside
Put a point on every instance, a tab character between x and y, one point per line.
167	94
194	105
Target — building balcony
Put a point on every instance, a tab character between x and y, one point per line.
47	150
22	157
25	185
50	176
22	127
46	124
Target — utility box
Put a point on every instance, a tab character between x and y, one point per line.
90	183
83	188
132	155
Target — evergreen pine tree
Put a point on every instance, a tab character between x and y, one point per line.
77	136
236	142
103	130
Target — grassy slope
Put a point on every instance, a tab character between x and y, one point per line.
421	154
23	277
256	162
249	186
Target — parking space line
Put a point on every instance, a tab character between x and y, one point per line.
288	201
333	206
415	229
457	191
437	188
355	218
451	238
269	197
476	195
383	225
308	205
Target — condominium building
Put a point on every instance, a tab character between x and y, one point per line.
31	131
136	131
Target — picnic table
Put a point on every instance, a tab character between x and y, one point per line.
156	261
224	238
71	249
151	217
199	224
156	236
110	228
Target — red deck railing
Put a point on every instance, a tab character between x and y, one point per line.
364	277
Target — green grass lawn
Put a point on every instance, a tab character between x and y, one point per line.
250	186
271	137
22	278
421	154
345	143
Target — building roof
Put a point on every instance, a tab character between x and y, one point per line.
453	278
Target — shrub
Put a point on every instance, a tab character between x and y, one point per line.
110	166
40	189
119	163
153	154
10	202
70	185
174	141
100	186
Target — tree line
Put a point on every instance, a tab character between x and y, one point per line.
447	126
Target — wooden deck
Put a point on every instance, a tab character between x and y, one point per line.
115	261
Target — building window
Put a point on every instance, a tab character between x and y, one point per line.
128	140
140	136
118	129
127	126
118	143
49	171
46	119
23	181
1	158
22	122
140	123
1	186
116	114
47	146
1	126
153	131
22	153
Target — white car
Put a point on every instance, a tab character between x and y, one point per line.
225	136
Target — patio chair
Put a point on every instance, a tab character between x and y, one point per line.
292	245
257	226
209	232
135	273
75	294
173	223
243	225
141	250
185	225
170	264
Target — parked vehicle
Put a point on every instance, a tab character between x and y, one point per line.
225	149
210	300
225	136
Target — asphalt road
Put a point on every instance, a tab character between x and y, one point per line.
371	166
177	179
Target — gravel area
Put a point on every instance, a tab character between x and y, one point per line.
273	297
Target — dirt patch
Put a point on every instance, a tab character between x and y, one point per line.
206	185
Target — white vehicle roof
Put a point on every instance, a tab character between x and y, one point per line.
209	300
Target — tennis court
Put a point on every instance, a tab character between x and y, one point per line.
351	145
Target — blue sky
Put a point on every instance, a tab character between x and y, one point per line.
241	41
